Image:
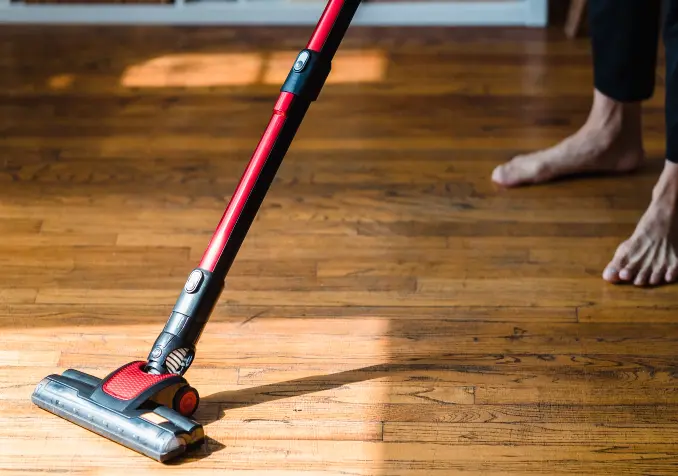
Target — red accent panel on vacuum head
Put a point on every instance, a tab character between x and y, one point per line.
131	381
247	182
325	24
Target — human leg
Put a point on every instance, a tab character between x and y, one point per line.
624	37
649	256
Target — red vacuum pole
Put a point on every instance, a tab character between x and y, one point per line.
323	44
174	349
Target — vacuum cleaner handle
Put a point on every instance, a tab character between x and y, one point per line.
174	349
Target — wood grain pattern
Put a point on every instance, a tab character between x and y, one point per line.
390	313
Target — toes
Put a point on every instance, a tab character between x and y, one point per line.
521	170
632	268
643	276
499	174
647	258
630	271
658	275
613	269
671	274
506	174
611	274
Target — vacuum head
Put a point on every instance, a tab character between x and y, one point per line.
146	413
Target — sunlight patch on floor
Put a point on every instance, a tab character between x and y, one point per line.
195	70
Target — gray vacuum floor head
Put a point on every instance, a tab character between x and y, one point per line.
157	431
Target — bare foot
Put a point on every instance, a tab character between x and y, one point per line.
649	255
609	141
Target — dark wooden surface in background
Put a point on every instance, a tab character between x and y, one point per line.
391	312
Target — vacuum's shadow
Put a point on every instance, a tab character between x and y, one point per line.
232	399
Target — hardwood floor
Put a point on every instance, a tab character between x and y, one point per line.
390	313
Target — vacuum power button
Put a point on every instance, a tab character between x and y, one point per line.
193	282
302	59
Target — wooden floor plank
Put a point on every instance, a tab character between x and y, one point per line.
466	434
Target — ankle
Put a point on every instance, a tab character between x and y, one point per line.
666	189
610	119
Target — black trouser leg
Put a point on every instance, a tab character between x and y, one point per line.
671	47
624	39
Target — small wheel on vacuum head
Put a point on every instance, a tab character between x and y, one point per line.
186	401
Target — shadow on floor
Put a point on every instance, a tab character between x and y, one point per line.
233	399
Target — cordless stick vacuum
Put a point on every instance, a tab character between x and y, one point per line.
148	405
